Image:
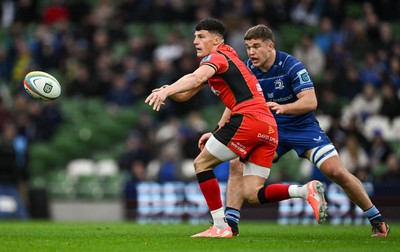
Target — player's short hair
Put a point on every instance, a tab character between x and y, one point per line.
212	25
260	32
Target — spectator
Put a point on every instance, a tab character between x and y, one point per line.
56	11
371	71
310	54
364	104
326	37
135	158
390	102
392	175
132	10
119	93
335	11
12	174
5	114
49	119
171	50
191	132
348	83
27	11
353	155
356	40
394	73
379	150
336	132
386	38
306	12
78	11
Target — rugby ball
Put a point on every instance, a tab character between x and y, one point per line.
42	86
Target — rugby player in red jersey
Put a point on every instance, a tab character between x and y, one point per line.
247	128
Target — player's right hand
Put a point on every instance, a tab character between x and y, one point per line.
203	140
276	107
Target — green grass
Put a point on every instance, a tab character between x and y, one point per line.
128	236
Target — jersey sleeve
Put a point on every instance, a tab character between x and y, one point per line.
216	61
300	78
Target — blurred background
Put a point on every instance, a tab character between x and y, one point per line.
98	152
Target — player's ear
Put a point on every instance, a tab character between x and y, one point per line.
217	40
271	45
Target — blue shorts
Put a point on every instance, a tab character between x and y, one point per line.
300	138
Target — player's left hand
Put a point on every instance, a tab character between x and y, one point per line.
156	99
276	107
203	139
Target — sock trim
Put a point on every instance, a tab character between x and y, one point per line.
206	175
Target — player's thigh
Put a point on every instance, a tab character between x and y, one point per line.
212	155
302	139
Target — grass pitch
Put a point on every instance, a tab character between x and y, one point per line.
129	236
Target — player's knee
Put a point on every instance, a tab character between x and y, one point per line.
339	174
235	168
198	166
250	192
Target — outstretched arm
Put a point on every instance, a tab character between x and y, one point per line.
190	83
184	96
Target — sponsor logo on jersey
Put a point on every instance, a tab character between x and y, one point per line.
270	95
303	76
258	86
208	57
279	84
215	91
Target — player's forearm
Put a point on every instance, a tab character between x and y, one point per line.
185	96
301	106
186	83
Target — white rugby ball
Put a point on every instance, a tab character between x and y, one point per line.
42	86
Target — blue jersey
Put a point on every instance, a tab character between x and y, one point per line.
286	78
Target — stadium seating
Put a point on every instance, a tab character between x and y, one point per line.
378	123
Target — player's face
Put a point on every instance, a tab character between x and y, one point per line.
204	42
260	52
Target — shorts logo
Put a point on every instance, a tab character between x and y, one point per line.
268	138
270	130
319	139
240	147
47	88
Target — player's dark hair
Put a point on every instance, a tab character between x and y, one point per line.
212	25
260	32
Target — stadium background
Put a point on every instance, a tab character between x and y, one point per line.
94	151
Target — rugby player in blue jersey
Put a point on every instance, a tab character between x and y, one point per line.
290	95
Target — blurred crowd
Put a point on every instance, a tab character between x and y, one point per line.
353	57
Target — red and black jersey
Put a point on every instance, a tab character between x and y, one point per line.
234	83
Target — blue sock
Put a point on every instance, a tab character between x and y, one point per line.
232	214
373	215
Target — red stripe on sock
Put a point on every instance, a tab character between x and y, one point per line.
212	193
276	192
